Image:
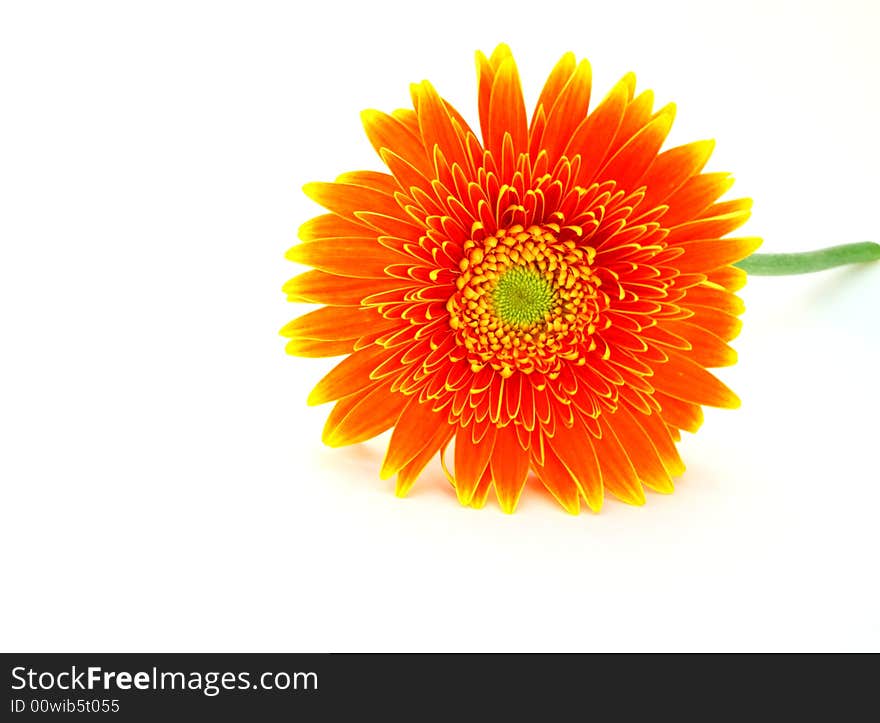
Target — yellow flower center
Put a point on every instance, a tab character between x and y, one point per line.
526	300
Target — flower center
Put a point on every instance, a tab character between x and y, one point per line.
523	296
526	300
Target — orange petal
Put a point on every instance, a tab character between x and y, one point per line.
485	76
592	138
725	207
702	295
458	120
507	111
660	436
363	258
317	287
694	196
618	474
510	467
641	451
436	125
574	448
391	225
629	164
388	133
417	425
672	168
679	413
374	180
568	111
332	323
707	228
729	277
478	501
558	480
721	324
410	120
317	348
486	69
471	460
661	334
349	376
346	199
636	116
556	81
362	416
412	469
331	226
700	256
707	349
406	174
685	379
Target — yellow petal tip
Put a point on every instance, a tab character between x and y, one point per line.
402	488
595	506
315	399
463	498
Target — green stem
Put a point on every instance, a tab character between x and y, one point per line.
808	261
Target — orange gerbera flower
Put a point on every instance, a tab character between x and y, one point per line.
547	299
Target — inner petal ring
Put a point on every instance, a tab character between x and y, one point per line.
526	300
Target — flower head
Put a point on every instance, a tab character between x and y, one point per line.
546	296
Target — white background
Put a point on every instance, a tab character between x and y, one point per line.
163	482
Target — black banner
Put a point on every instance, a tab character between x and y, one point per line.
170	687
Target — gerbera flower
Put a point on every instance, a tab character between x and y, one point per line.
545	297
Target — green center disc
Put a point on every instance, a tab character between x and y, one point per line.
522	296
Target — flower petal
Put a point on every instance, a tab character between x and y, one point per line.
659	434
672	168
629	164
707	349
678	413
318	287
412	469
729	277
363	416
318	348
556	81
558	480
684	379
351	375
332	323
641	451
566	114
507	111
707	228
472	458
592	138
417	425
720	323
362	258
331	226
478	501
709	254
618	473
345	199
437	128
574	448
388	133
695	195
637	114
510	467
